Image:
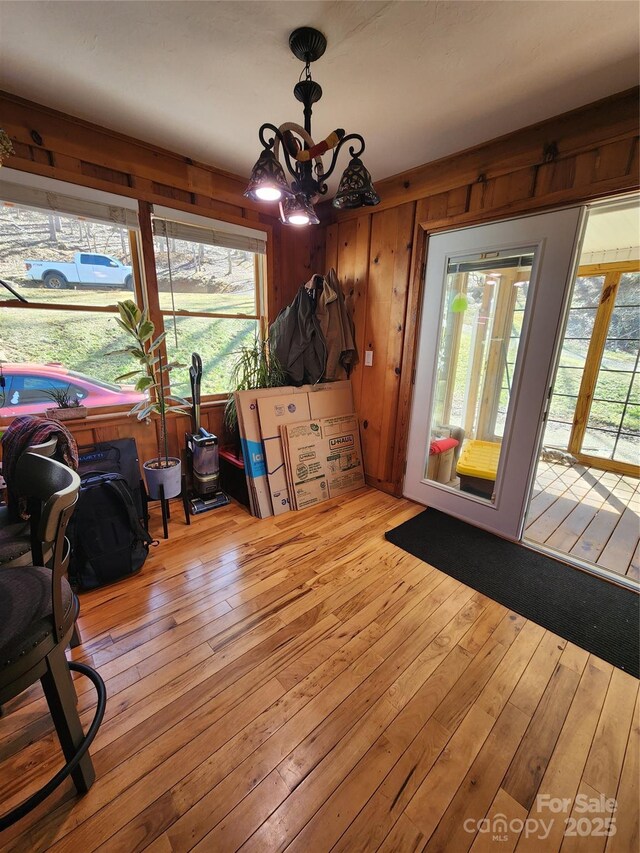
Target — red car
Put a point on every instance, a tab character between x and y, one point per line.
26	386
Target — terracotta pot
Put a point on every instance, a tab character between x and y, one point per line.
70	414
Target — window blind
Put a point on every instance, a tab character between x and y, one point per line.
220	234
95	211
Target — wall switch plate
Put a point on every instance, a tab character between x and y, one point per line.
368	358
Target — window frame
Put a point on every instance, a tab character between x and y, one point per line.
143	267
157	313
110	309
612	273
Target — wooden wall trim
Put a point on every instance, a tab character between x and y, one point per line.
611	119
583	155
44	137
54	145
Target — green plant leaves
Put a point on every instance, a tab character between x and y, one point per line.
146	330
154	346
128	375
129	313
144	383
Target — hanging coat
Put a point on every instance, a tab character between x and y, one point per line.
295	338
336	328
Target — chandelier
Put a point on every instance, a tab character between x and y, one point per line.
302	157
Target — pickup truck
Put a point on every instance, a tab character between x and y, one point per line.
86	271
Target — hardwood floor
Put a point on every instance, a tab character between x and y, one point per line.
590	514
301	683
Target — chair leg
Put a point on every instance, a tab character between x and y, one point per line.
76	639
61	698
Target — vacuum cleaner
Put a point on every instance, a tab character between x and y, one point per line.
202	453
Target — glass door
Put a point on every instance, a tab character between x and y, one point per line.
491	310
585	503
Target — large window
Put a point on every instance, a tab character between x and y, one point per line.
65	274
209	290
67	261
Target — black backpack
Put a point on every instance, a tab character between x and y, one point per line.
108	542
118	456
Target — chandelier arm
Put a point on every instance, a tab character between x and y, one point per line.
298	171
352	151
269	144
274	143
278	139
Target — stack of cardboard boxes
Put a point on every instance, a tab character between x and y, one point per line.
300	445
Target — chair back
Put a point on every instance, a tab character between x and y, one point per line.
53	488
47	448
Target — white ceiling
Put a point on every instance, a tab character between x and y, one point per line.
419	80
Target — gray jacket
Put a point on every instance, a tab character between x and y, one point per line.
336	328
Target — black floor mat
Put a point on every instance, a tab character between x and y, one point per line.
596	615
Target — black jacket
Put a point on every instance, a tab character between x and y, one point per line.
297	342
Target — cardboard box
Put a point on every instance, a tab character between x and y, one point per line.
324	458
275	412
343	454
305	463
294	406
252	449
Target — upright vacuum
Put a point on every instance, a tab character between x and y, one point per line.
202	453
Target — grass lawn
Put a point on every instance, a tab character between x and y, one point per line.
83	341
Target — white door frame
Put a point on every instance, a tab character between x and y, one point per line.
555	237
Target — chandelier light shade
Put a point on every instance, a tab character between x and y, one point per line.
302	157
355	189
298	210
267	182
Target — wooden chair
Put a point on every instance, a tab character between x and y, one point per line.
38	611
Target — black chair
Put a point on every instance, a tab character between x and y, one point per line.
38	611
15	538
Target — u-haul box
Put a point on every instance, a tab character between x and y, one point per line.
294	405
324	458
344	467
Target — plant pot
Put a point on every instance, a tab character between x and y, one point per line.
170	478
70	414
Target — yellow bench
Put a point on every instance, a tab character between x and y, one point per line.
478	466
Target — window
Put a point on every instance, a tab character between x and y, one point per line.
613	426
67	261
210	295
602	344
582	315
65	273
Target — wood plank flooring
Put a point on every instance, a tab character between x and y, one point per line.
590	514
299	683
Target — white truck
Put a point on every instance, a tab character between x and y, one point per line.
87	270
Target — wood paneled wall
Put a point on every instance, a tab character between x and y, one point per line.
97	428
372	255
59	146
298	253
56	145
379	254
583	155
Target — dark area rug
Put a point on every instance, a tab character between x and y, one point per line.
596	615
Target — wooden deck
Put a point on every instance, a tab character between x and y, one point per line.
590	514
301	683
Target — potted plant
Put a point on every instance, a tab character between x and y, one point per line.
153	378
256	367
67	406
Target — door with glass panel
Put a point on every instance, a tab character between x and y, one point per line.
491	311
